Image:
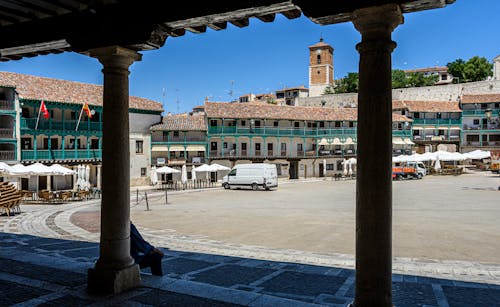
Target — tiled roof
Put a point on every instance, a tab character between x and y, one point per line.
182	122
270	111
34	87
426	106
320	44
481	98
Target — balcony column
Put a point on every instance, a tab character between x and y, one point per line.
115	271
76	147
63	146
75	180
34	147
373	180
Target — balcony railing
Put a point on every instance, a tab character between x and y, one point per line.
165	139
482	128
7	155
494	112
279	131
7	105
6	133
481	144
60	154
44	124
437	121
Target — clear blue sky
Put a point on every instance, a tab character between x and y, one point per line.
267	56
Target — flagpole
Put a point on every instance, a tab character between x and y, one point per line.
38	118
79	118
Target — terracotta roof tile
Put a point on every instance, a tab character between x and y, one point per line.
426	106
429	69
182	122
57	90
482	98
270	111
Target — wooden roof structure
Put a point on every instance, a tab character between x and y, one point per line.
31	28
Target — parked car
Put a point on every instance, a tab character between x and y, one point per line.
252	176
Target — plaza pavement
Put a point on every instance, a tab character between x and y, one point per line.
44	258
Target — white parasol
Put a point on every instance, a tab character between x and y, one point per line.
184	174
154	176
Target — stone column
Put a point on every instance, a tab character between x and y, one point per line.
99	186
115	270
374	182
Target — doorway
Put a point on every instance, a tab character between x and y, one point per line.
294	170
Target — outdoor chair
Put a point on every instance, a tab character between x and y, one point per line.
65	196
9	198
45	195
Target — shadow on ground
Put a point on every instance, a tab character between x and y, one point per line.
52	272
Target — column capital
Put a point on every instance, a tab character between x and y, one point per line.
374	22
116	56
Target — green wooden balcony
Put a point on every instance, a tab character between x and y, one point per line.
280	132
67	125
437	121
480	113
61	154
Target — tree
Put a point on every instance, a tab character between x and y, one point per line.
328	90
478	69
348	84
399	78
475	69
456	69
417	79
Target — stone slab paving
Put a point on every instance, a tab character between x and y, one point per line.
36	271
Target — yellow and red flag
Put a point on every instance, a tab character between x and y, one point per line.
87	110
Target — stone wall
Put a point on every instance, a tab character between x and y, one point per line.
433	93
138	160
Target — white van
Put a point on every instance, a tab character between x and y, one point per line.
252	175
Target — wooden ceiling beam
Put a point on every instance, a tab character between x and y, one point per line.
197	30
240	23
217	26
292	14
266	18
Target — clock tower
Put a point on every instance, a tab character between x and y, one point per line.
320	68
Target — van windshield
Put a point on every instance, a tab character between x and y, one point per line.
232	172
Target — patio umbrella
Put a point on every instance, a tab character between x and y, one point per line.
61	169
193	174
38	169
184	174
5	168
217	167
87	177
344	164
154	176
324	167
437	166
349	172
166	170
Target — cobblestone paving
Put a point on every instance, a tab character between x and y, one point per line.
44	258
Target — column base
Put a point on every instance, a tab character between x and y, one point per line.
113	281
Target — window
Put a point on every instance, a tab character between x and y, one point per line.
416	115
243	123
440	132
213	145
213	122
232	172
444	77
351	124
72	115
322	124
257	123
297	124
176	133
337	124
330	167
275	123
269	146
243	146
339	164
25	113
143	172
476	122
224	145
283	146
94	144
257	146
416	132
299	147
438	115
318	59
139	147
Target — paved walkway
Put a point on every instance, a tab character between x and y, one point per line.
44	258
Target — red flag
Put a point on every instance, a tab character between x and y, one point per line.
87	110
43	109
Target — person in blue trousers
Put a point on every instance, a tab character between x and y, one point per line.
145	254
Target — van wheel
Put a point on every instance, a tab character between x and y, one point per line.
254	186
419	176
226	186
265	187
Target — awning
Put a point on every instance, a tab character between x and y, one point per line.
443	128
398	141
349	141
408	141
417	128
455	128
336	141
195	148
323	142
159	148
430	128
176	148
